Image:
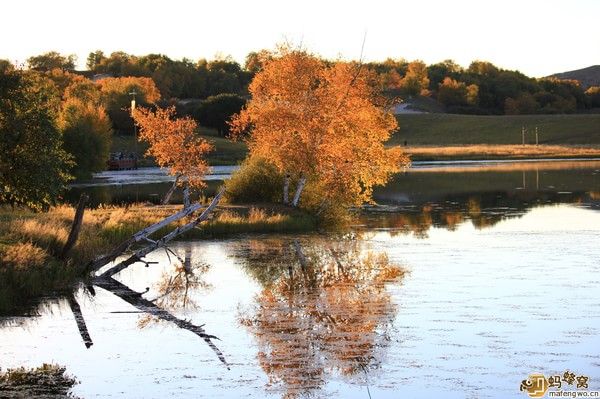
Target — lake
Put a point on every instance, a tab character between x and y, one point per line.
461	282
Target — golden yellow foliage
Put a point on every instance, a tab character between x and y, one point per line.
174	143
323	121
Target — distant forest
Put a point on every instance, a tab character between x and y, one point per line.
482	88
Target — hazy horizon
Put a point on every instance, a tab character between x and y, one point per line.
538	38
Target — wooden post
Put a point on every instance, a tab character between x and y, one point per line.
75	227
299	189
286	189
536	136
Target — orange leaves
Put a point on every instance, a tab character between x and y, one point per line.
174	143
321	120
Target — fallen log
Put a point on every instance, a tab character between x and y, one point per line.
141	235
138	255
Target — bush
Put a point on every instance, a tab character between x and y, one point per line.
87	135
256	181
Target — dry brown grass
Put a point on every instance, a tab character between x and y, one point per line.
515	166
23	255
502	151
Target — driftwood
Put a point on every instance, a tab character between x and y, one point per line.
138	255
75	227
142	235
135	299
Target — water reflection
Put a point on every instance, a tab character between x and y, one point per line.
323	308
176	285
439	197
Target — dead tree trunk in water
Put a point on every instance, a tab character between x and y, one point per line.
299	189
141	235
169	193
76	227
138	255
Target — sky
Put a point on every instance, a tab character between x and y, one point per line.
536	37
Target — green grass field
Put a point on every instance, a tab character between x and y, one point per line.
435	129
226	152
443	129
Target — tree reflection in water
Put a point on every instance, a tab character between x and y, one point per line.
174	287
323	309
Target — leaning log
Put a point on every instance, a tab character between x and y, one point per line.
141	235
138	255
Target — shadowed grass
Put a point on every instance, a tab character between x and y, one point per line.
47	381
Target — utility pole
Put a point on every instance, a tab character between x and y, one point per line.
133	94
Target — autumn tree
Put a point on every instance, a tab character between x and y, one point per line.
415	82
52	60
116	97
174	144
87	133
323	123
33	165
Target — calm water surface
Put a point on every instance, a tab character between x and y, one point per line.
459	285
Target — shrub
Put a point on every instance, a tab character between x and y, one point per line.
256	181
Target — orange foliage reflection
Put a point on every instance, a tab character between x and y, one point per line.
324	310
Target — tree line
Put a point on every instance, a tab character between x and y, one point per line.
481	88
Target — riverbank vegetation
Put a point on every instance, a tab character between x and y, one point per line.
31	242
48	381
483	152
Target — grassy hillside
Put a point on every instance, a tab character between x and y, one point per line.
589	76
443	129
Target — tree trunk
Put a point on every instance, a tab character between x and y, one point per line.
169	193
299	189
286	189
138	255
186	195
139	236
76	227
